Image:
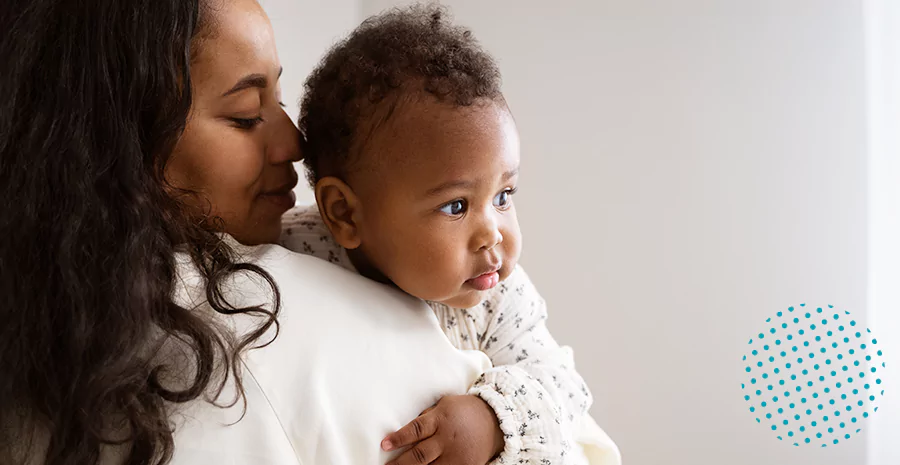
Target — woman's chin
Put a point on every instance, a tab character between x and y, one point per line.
258	232
263	225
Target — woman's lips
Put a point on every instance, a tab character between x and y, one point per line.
485	281
283	199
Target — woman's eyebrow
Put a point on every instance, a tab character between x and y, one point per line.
251	80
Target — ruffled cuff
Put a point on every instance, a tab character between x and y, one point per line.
523	416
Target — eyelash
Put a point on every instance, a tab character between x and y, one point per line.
246	123
509	193
465	204
463	208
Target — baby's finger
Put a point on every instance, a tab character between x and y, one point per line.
422	427
422	453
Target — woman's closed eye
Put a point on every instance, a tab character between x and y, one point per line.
246	123
454	208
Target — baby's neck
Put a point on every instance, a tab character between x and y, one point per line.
364	267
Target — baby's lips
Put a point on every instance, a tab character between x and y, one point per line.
485	281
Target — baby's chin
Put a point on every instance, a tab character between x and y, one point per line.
466	300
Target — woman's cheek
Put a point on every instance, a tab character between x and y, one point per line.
238	164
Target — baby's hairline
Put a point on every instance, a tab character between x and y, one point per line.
382	114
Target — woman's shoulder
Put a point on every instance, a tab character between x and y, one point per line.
246	432
352	357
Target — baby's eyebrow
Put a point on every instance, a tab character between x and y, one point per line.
457	184
463	184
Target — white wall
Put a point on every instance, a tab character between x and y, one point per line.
883	73
690	168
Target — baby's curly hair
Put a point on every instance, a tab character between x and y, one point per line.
394	57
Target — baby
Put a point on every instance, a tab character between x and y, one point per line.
414	156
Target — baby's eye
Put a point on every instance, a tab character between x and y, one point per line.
454	208
502	199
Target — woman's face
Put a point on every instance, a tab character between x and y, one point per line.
238	145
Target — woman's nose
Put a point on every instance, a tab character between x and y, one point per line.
284	142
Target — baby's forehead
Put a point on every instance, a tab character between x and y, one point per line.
425	134
423	147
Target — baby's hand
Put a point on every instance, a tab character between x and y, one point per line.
459	430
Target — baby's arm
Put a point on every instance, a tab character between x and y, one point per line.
533	388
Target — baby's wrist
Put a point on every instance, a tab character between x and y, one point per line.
499	442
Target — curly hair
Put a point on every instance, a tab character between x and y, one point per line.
401	54
93	103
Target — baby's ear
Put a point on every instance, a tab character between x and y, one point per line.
339	207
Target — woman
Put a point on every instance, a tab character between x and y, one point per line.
132	134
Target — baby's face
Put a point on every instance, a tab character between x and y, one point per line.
436	187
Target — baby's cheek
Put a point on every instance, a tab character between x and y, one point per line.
446	272
512	249
512	235
447	268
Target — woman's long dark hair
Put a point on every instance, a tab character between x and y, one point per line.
94	94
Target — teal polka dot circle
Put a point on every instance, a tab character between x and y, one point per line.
813	376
